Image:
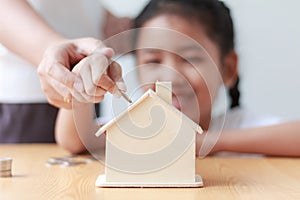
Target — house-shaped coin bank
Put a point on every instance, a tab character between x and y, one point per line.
151	144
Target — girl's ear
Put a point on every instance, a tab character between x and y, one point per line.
230	70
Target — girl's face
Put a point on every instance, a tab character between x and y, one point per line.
183	59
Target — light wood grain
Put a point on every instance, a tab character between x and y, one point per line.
224	178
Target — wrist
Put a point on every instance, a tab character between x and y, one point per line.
222	143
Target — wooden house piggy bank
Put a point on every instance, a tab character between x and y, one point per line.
151	144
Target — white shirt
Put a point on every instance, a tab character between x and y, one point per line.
241	118
19	82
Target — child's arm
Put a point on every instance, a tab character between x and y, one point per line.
66	134
277	140
73	134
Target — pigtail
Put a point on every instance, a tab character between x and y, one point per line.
234	94
97	110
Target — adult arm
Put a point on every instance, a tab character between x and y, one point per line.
29	36
24	32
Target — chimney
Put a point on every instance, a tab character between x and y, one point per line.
164	91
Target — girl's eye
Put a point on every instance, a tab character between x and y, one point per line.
194	59
153	61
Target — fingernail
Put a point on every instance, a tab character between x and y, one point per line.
116	93
78	86
121	85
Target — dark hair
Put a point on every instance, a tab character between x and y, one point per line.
214	15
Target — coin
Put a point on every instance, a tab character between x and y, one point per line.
6	173
5	167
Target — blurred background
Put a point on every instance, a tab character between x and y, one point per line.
268	44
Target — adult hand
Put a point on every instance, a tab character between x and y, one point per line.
99	75
57	79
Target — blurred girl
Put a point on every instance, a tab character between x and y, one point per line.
191	68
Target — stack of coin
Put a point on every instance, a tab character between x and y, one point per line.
5	167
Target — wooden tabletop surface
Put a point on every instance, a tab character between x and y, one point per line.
224	178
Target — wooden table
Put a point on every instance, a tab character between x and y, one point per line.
224	178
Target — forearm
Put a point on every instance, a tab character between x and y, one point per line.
77	134
24	32
66	134
277	140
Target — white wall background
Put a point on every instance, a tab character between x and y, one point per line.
268	44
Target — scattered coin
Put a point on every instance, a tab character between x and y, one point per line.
67	161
